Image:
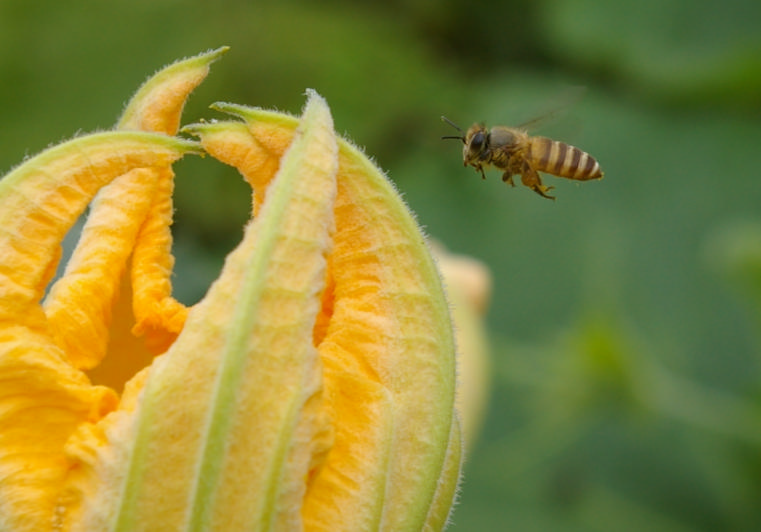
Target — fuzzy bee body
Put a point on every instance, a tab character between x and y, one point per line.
515	152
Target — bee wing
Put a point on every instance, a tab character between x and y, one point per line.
556	108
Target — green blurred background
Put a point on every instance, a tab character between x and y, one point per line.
624	317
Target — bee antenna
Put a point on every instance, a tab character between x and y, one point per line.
448	121
460	137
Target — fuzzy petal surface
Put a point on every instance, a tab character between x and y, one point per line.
232	421
384	337
43	398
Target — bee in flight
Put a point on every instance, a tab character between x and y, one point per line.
512	150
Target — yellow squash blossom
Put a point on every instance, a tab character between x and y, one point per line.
312	388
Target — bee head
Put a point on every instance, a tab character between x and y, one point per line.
476	141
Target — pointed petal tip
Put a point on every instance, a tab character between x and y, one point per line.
315	99
195	128
199	129
202	59
217	53
317	113
232	109
158	103
312	93
251	114
186	146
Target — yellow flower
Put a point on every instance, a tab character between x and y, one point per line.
311	389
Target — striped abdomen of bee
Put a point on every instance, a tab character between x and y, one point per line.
561	159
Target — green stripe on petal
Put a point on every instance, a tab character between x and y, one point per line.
387	345
231	418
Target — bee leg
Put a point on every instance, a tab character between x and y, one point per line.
481	169
507	177
531	179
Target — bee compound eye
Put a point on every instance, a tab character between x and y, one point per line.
478	140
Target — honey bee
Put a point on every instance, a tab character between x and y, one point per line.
514	151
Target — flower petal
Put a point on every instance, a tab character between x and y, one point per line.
157	105
159	317
384	337
79	306
42	397
42	198
231	419
446	492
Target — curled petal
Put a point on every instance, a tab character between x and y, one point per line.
42	199
384	337
42	397
157	105
231	422
79	306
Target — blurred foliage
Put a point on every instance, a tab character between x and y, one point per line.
625	315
